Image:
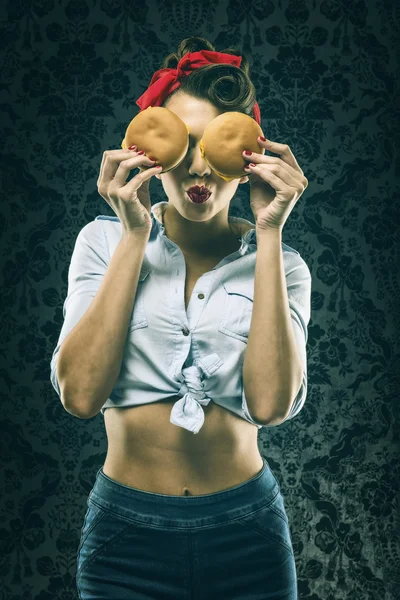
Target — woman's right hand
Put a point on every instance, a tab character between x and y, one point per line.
130	201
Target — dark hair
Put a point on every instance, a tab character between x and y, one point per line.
228	87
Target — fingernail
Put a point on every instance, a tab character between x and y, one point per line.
248	152
141	152
263	139
151	158
132	147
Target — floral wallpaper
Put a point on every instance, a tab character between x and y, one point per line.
328	83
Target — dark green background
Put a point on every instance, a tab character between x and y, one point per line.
327	81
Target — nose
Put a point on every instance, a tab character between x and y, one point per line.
197	164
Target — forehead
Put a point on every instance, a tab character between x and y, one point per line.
194	112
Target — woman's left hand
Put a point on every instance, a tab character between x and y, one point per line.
275	185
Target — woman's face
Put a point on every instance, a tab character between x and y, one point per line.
193	170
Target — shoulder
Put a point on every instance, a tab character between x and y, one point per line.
294	262
287	248
106	218
91	233
105	223
112	229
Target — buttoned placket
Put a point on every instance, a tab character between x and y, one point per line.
187	412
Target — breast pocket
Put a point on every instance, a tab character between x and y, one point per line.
139	315
237	309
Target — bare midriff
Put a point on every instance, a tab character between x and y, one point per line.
147	452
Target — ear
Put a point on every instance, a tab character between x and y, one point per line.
243	179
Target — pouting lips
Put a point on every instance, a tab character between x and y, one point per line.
199	190
198	198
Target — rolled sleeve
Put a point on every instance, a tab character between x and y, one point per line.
298	284
246	413
88	265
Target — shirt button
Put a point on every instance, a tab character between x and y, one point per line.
185	331
201	296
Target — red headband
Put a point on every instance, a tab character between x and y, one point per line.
165	81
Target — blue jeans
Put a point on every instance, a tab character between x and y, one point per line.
229	545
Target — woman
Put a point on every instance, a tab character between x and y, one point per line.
184	505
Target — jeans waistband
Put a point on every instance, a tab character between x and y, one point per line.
187	511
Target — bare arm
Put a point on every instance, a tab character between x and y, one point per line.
273	366
90	358
101	294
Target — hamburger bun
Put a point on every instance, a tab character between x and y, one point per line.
224	140
161	134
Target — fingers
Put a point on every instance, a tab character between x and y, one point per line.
109	165
134	162
136	182
116	166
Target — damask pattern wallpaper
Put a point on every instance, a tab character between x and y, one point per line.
327	80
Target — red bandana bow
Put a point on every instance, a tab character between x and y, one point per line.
165	81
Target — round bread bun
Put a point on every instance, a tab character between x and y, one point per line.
161	134
224	140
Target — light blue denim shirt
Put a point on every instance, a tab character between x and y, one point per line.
196	353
